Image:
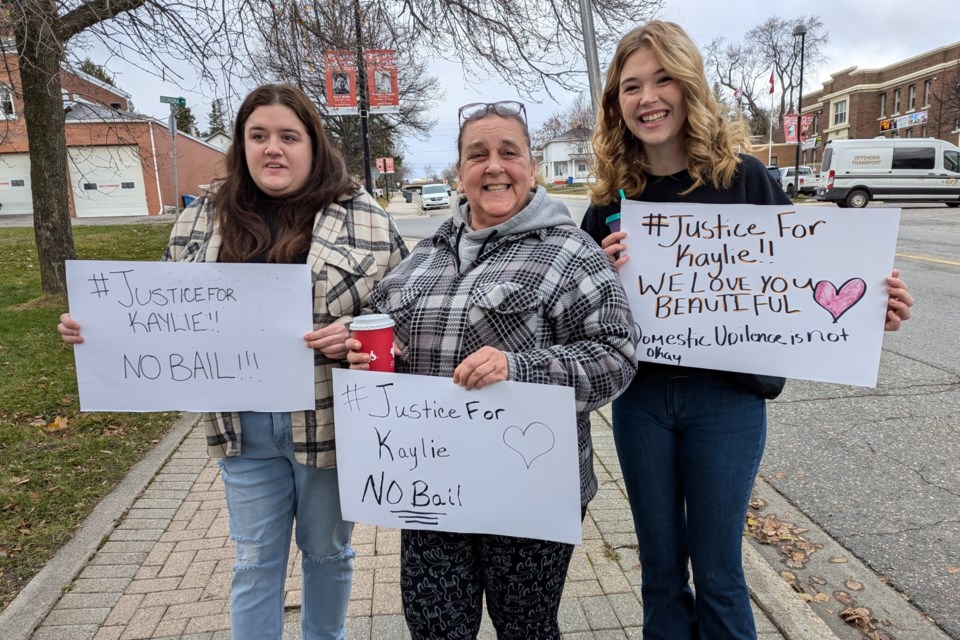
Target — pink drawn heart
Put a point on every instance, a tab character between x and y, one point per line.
838	302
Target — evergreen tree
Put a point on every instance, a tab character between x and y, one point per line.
185	119
91	68
215	120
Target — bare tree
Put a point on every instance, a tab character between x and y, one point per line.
552	128
158	32
946	97
767	47
531	45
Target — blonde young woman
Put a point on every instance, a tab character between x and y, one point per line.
689	440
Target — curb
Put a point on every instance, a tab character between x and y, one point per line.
787	612
32	605
896	615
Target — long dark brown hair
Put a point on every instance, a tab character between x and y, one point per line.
245	233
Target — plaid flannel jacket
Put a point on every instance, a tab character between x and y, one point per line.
355	243
549	299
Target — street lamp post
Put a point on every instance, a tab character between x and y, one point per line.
363	100
801	31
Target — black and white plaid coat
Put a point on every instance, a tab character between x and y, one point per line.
355	243
548	298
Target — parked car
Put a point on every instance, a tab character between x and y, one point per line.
774	172
854	172
808	181
435	196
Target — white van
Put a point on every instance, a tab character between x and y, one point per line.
435	196
854	172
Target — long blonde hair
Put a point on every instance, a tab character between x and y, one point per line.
709	140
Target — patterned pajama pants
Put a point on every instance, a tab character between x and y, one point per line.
444	576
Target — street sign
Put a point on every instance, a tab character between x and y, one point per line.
171	100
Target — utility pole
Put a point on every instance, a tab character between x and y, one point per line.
590	46
801	31
363	103
174	102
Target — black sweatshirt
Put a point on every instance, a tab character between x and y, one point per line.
752	184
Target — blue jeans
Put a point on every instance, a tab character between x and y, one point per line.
267	490
689	449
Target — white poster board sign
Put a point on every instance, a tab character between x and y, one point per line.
416	452
162	336
793	291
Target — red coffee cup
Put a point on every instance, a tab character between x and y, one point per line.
375	333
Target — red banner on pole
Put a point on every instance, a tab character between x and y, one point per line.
389	163
381	67
341	71
790	127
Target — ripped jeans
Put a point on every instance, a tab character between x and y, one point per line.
267	490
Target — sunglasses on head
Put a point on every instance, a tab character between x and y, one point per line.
506	108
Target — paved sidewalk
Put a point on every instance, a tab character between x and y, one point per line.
164	570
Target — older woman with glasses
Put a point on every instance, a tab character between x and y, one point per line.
507	289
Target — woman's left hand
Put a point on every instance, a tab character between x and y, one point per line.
484	366
329	340
899	302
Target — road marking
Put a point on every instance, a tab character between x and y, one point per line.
926	259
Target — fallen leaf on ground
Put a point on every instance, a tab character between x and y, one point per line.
853	585
821	598
843	597
953	569
59	424
838	560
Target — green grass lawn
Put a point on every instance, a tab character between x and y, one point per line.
577	188
55	462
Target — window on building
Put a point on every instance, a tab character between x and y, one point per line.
840	113
909	133
582	168
559	169
6	103
913	157
896	101
927	92
912	97
956	124
883	105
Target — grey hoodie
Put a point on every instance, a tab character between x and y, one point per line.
541	212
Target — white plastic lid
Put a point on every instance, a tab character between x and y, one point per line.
371	322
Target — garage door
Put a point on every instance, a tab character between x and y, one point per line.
15	195
107	181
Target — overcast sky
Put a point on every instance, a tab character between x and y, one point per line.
866	35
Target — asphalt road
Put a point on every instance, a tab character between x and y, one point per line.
878	470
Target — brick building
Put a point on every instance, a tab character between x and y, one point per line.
917	97
119	163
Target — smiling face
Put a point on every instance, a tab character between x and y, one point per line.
652	106
278	150
495	171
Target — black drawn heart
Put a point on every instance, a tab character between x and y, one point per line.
531	442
